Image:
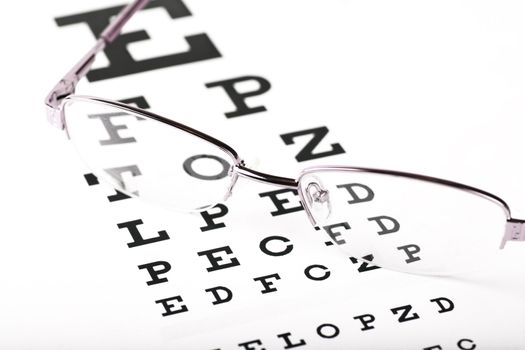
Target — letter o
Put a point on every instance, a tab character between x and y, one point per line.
334	333
188	167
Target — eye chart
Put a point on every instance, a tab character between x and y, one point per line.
431	88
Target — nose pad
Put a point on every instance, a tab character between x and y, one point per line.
234	177
318	199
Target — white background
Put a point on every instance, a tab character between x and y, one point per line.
431	87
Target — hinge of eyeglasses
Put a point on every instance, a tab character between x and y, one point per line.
514	231
61	90
66	85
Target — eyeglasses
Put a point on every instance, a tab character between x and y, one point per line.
398	220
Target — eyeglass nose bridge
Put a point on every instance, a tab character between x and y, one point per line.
314	197
240	170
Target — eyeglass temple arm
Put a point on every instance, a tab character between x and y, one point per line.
66	85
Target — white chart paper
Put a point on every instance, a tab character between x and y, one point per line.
428	87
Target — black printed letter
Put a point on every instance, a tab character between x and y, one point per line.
365	265
308	273
239	98
322	334
154	273
214	260
366	320
461	344
210	218
138	240
334	234
356	198
188	167
267	284
405	313
307	153
218	298
289	344
443	308
390	221
120	60
410	250
248	345
278	202
264	246
169	307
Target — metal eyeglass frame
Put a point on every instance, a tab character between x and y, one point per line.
64	91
